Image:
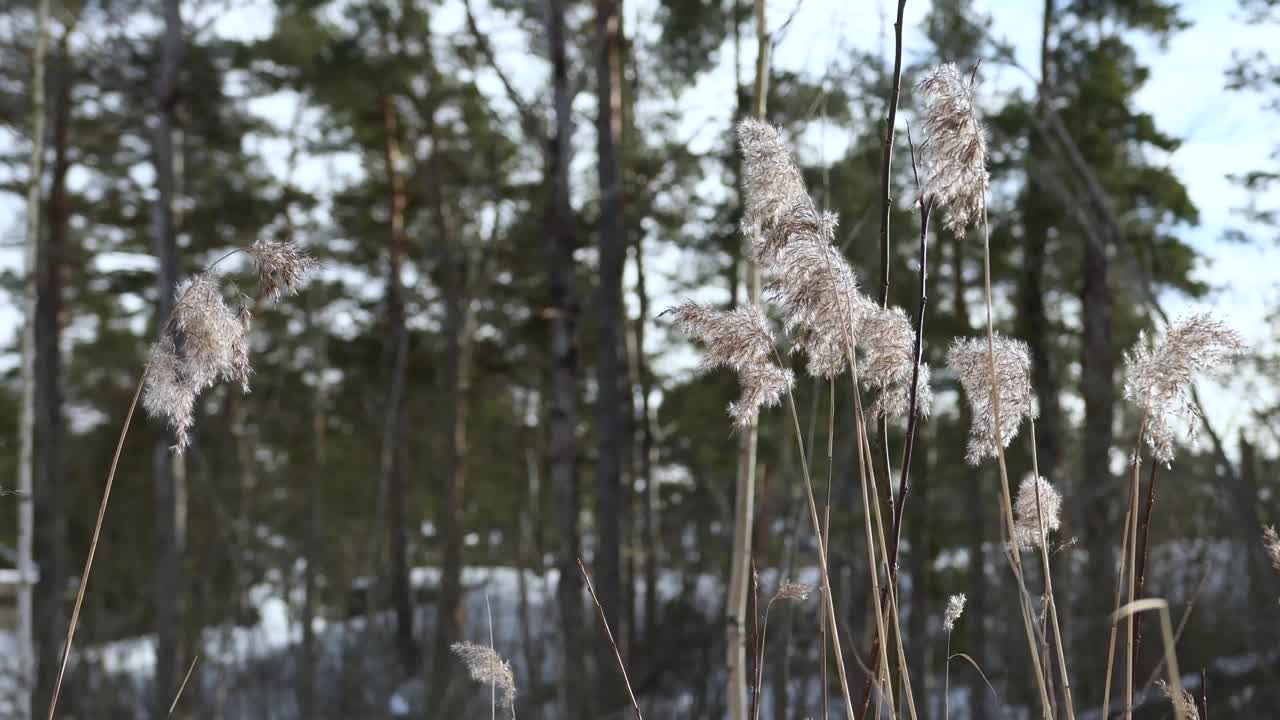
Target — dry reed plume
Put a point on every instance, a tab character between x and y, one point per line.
201	343
970	360
955	608
955	147
1038	509
1159	375
740	340
486	666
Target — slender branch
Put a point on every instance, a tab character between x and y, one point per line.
1133	566
886	154
530	121
757	638
1144	532
1048	582
93	549
183	686
1204	694
616	654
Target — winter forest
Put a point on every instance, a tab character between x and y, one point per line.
794	359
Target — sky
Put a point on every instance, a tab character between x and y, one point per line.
1222	133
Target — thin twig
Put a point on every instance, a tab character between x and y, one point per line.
618	655
757	639
1130	659
904	485
1204	694
1048	581
886	154
1144	550
493	658
93	548
183	686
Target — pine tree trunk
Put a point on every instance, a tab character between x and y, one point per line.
649	534
459	334
319	426
50	510
31	310
396	352
562	415
1097	386
610	370
168	478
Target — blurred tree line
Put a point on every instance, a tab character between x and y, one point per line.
503	196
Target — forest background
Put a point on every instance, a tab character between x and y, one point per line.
476	387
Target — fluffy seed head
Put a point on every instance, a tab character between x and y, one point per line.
955	146
1158	376
733	339
1038	509
1182	700
762	386
791	590
281	266
487	666
822	307
1271	542
203	343
969	360
955	608
738	339
888	343
776	204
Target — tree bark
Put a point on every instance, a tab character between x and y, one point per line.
562	415
649	533
458	269
319	433
610	370
30	398
395	353
1097	386
168	477
50	509
744	493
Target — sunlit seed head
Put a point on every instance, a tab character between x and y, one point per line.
970	360
954	150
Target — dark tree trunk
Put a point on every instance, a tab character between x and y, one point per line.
610	369
396	352
1259	577
319	434
168	478
1097	386
1033	327
562	415
649	534
50	525
459	332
